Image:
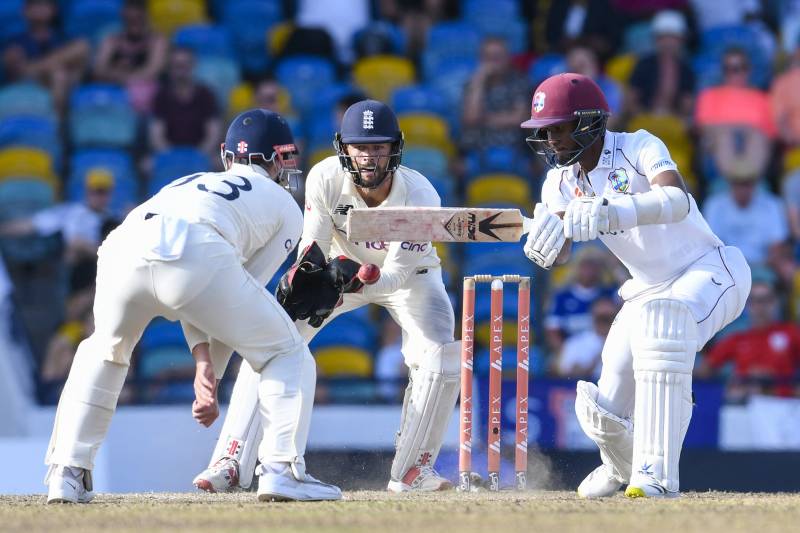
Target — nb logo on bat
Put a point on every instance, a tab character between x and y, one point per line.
465	225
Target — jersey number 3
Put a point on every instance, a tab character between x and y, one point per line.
233	194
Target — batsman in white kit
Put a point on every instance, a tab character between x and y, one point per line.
686	285
200	251
367	173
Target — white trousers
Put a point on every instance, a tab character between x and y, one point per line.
206	286
421	308
715	288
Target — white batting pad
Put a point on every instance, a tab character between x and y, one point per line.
612	434
663	345
428	405
241	432
84	412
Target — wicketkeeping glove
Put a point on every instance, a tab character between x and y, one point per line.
308	290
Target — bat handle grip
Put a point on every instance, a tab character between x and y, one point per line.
527	225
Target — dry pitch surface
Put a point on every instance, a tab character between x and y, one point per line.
505	512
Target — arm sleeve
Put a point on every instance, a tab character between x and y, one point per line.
266	261
654	158
552	197
318	222
400	263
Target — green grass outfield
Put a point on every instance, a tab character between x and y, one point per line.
381	512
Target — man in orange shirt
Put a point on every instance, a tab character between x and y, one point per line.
766	357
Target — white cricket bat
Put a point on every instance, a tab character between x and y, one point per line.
437	224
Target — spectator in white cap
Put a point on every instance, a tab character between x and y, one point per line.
663	82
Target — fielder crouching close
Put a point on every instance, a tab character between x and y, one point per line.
686	285
200	251
366	173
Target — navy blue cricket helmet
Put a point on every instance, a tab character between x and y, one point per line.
259	134
369	122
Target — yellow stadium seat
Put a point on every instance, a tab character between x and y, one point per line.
380	75
277	37
483	332
620	68
490	189
668	128
168	15
338	361
426	129
319	154
27	162
240	99
791	160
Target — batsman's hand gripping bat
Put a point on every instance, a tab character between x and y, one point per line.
437	224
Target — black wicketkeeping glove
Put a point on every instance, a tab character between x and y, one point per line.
309	289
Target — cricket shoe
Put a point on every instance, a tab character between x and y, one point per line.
646	486
68	484
600	483
421	478
285	482
222	476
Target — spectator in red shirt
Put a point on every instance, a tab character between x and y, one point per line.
765	357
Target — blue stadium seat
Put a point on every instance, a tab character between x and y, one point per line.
36	131
101	116
349	329
205	40
450	79
304	77
119	162
496	159
427	161
445	187
448	42
387	30
11	20
545	66
172	164
160	333
92	18
250	31
26	98
23	196
495	259
419	98
512	30
220	74
478	10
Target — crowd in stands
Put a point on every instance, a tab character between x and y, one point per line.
103	102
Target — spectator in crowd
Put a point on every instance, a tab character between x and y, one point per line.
570	306
663	82
390	369
43	54
558	23
735	118
790	192
582	59
785	102
339	18
765	357
270	95
747	216
80	224
496	100
416	17
185	112
134	56
580	357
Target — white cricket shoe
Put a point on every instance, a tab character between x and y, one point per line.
284	482
600	483
422	478
67	484
646	486
222	476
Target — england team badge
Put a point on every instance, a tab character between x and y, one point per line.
620	182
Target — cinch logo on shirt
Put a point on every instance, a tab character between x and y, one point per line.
414	246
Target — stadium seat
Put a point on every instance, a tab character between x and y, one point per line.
92	18
23	196
638	39
33	131
445	187
477	10
502	158
124	195
343	361
277	37
205	40
169	15
379	75
251	32
26	98
545	66
28	162
221	74
424	129
449	42
382	31
495	259
512	30
419	99
162	332
673	132
791	160
319	154
11	20
350	329
174	163
101	116
620	67
427	161
450	79
304	77
493	189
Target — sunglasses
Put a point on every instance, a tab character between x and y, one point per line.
735	67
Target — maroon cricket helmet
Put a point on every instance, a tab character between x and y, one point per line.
562	98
